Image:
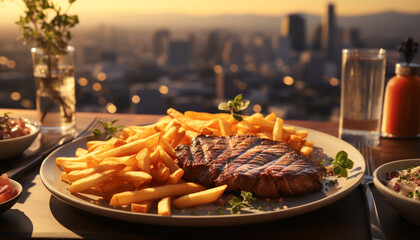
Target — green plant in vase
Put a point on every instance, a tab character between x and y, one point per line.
46	26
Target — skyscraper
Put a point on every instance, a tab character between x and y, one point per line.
161	40
328	32
293	26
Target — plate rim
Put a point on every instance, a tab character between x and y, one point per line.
202	220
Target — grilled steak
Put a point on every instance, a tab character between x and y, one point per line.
267	168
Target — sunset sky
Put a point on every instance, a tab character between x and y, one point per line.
95	10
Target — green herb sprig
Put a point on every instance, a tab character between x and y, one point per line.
341	164
238	204
235	106
109	130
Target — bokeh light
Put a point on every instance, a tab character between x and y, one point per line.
111	108
334	82
163	89
257	108
11	64
101	76
135	99
26	103
234	68
97	87
15	96
83	82
218	69
3	60
288	80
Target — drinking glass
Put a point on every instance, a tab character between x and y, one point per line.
362	89
55	89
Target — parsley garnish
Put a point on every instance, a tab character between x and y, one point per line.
219	210
342	163
409	169
331	183
238	205
109	130
238	104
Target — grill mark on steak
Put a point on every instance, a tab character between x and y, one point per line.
264	167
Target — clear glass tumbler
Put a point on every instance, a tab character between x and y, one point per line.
362	89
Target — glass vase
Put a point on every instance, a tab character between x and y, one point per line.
55	89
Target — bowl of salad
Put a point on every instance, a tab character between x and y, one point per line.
16	135
10	191
399	184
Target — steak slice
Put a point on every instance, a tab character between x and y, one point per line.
267	168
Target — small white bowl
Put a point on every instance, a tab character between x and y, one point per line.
14	146
4	206
408	208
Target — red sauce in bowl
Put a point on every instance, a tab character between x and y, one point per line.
11	128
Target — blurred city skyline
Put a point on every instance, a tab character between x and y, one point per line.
288	64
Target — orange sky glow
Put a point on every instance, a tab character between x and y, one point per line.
93	10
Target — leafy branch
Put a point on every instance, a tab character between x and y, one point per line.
234	106
46	25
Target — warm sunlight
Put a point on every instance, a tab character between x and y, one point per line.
98	10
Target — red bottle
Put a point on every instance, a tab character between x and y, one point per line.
401	113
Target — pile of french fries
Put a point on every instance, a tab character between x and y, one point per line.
138	169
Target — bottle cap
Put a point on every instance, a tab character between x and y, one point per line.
407	69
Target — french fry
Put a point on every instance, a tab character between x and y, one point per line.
196	125
289	129
248	127
205	116
164	206
64	177
295	138
178	137
132	147
278	129
199	198
143	160
175	176
271	116
302	133
306	150
154	157
103	166
90	181
80	152
163	172
143	207
260	121
167	160
167	147
308	143
153	193
170	134
136	176
224	127
70	166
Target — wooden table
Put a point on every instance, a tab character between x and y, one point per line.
40	215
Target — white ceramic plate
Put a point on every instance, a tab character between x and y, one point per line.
206	215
